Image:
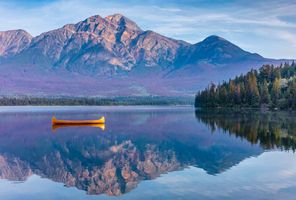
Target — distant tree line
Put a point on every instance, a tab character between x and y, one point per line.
270	86
94	101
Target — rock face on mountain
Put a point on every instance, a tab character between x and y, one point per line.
111	46
13	42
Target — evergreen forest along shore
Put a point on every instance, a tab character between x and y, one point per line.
269	87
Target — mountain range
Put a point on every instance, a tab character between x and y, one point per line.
113	56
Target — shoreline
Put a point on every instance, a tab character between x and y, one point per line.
242	109
96	101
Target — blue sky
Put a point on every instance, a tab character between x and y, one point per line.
267	27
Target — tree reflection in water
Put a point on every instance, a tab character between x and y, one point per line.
269	129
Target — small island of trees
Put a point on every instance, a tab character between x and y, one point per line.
270	87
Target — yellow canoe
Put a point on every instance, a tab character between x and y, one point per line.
78	122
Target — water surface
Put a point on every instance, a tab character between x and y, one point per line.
145	153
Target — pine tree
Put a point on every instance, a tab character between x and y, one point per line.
237	96
231	92
222	95
292	94
252	89
264	93
275	92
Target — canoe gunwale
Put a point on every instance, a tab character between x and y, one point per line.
78	122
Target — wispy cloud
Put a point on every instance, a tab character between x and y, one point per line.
289	37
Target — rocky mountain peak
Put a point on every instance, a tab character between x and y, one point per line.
216	41
94	19
213	38
216	49
121	21
13	41
92	24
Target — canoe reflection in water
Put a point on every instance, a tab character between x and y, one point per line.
54	127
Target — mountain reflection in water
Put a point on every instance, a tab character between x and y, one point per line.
137	145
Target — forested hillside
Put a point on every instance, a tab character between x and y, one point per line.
270	86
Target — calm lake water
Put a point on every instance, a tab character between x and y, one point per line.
147	153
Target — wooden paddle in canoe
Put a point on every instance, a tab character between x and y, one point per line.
77	122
